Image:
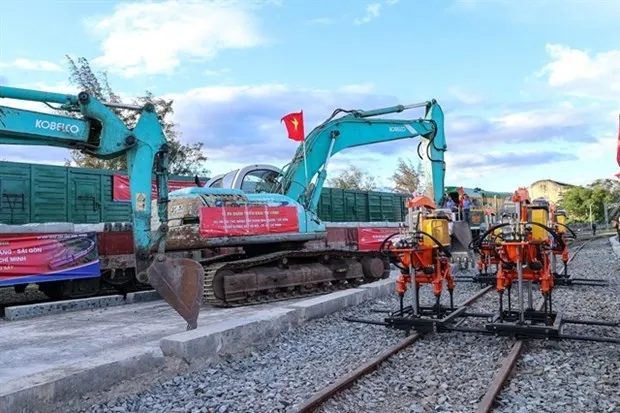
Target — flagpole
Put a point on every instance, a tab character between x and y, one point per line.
305	161
304	149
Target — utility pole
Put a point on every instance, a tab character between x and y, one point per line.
606	216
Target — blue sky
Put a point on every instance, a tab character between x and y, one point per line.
529	87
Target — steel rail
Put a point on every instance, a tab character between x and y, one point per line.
503	373
314	402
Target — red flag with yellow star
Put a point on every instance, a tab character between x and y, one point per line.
294	123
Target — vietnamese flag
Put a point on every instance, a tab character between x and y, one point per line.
294	123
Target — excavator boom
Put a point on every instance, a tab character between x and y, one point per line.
361	128
100	133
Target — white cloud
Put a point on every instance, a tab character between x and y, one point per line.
358	88
153	37
582	73
373	10
26	64
240	125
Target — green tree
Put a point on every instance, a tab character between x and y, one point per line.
184	159
578	200
407	178
354	178
611	185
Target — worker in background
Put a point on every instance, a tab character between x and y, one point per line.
450	204
616	224
466	207
593	228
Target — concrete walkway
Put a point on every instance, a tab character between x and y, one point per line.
62	356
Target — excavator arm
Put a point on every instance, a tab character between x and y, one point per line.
359	128
100	133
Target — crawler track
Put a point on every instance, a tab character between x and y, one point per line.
300	282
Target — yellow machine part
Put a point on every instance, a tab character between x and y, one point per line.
540	216
561	219
438	228
497	232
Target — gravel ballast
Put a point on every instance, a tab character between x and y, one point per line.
449	372
574	376
275	378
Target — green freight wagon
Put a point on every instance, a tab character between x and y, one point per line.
35	193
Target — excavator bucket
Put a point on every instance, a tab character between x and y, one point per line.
179	281
461	240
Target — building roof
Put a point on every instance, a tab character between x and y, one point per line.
552	181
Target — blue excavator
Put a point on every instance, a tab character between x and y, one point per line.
92	127
280	266
265	267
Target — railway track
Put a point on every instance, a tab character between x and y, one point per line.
510	361
8	297
347	380
499	379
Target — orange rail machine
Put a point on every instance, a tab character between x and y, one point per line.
554	220
421	251
523	244
525	249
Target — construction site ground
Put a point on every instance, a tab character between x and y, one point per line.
56	357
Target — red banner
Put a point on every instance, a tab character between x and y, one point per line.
251	220
48	254
369	239
121	192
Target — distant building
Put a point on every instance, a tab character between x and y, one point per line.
549	189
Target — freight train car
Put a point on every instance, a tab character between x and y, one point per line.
33	193
95	203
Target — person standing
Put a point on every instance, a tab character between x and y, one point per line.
466	207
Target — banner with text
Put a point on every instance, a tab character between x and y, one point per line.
47	257
250	220
121	192
370	239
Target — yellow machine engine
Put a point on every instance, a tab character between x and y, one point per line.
436	225
538	212
422	253
560	218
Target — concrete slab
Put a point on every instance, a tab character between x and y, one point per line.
33	393
61	356
326	304
142	297
230	337
379	288
19	312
